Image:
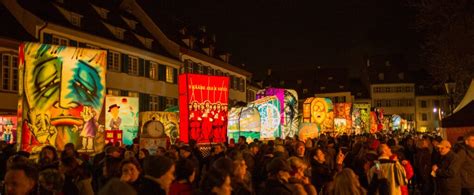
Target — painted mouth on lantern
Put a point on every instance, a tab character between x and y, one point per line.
66	121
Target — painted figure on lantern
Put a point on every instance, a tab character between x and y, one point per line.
88	132
206	125
218	124
195	120
116	121
59	84
7	133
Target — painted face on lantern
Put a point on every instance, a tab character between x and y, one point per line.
319	112
61	81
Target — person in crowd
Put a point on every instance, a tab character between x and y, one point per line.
77	179
131	172
386	176
423	165
447	170
241	178
185	175
159	174
408	170
70	151
466	154
115	187
185	152
21	179
48	158
51	182
98	158
250	157
321	172
278	179
142	155
110	170
345	183
215	182
98	169
299	167
435	154
160	151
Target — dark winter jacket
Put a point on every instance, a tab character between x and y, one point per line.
448	175
276	187
466	155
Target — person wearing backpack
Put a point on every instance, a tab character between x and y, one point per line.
386	176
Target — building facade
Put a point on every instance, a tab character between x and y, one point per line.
141	63
430	109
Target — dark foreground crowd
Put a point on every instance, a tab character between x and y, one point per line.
343	165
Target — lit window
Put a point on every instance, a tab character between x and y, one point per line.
113	92
154	70
133	94
423	104
299	82
170	102
169	74
305	91
119	33
330	78
114	61
9	72
133	65
57	40
148	43
322	88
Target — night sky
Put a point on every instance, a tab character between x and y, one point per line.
304	34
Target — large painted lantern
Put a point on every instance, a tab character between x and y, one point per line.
8	126
269	116
121	119
203	104
157	129
322	114
288	99
244	121
343	118
62	92
308	131
361	118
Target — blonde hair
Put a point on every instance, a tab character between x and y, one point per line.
296	162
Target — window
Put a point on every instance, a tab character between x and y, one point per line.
235	82
341	99
133	94
398	89
282	82
408	89
154	102
148	43
381	76
113	92
92	46
170	102
119	33
376	89
169	74
424	116
9	72
305	91
57	40
242	85
133	65
250	96
423	104
153	70
114	61
322	88
388	103
75	19
378	103
387	89
330	78
299	81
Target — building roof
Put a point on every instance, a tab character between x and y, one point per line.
385	69
171	24
358	89
331	80
11	28
426	85
91	21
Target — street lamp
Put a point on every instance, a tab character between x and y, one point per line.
450	86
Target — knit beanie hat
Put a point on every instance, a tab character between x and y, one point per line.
157	166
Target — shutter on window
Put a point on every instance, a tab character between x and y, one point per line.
175	75
109	59
123	93
141	67
144	102
162	103
47	38
147	68
124	67
162	72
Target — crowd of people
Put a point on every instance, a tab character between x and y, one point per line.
356	164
